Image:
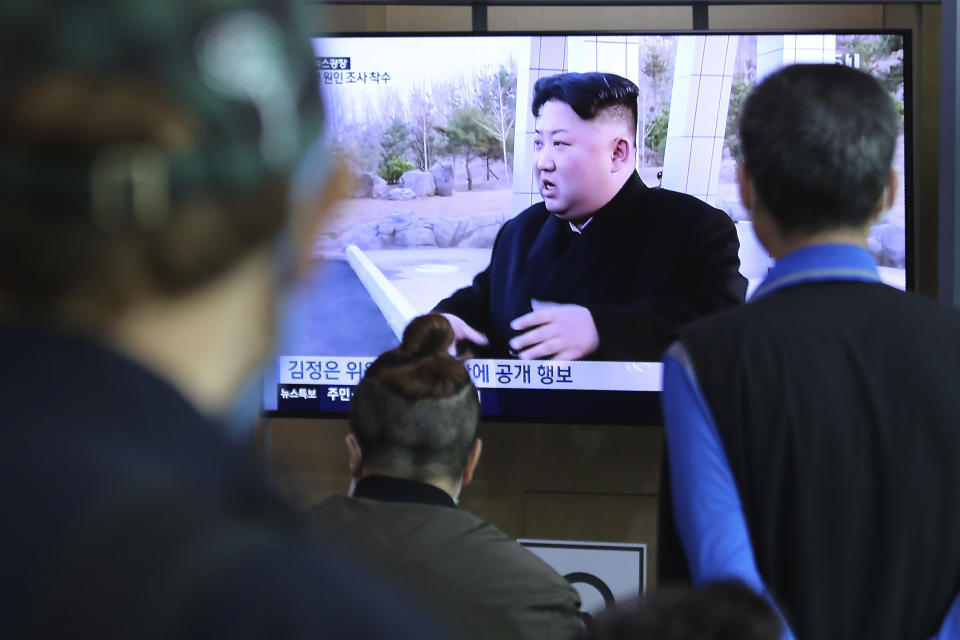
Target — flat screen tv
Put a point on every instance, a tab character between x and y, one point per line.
438	132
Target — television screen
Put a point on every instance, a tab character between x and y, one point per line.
439	134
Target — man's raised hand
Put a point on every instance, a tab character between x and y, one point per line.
463	332
557	331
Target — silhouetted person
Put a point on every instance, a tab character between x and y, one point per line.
147	227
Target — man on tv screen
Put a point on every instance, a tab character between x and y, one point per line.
604	268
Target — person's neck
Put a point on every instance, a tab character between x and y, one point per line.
779	243
785	245
208	341
450	487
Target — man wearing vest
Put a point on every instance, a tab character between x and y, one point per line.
813	433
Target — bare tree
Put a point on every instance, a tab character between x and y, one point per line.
424	114
498	100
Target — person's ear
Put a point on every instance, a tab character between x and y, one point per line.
472	459
765	229
621	155
887	198
354	456
745	185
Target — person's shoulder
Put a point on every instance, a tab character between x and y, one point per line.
684	204
921	310
533	216
186	567
312	591
523	227
920	301
676	199
333	512
469	531
371	523
731	319
447	540
732	324
504	551
678	214
536	209
350	517
878	303
514	579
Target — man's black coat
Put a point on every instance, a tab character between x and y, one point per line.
649	261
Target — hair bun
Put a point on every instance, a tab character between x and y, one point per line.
426	336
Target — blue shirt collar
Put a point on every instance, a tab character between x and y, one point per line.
818	263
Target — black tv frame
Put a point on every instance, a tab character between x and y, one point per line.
620	405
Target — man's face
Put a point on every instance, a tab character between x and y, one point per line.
572	160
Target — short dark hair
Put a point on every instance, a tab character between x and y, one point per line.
818	142
723	610
415	412
588	94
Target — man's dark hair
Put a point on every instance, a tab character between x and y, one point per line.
589	94
725	610
415	412
818	141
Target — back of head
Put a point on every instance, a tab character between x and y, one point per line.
591	95
725	610
818	142
144	146
415	412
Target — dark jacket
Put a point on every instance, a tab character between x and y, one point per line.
489	586
837	406
129	515
649	261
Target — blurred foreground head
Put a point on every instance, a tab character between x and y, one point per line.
146	148
725	610
818	143
415	412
